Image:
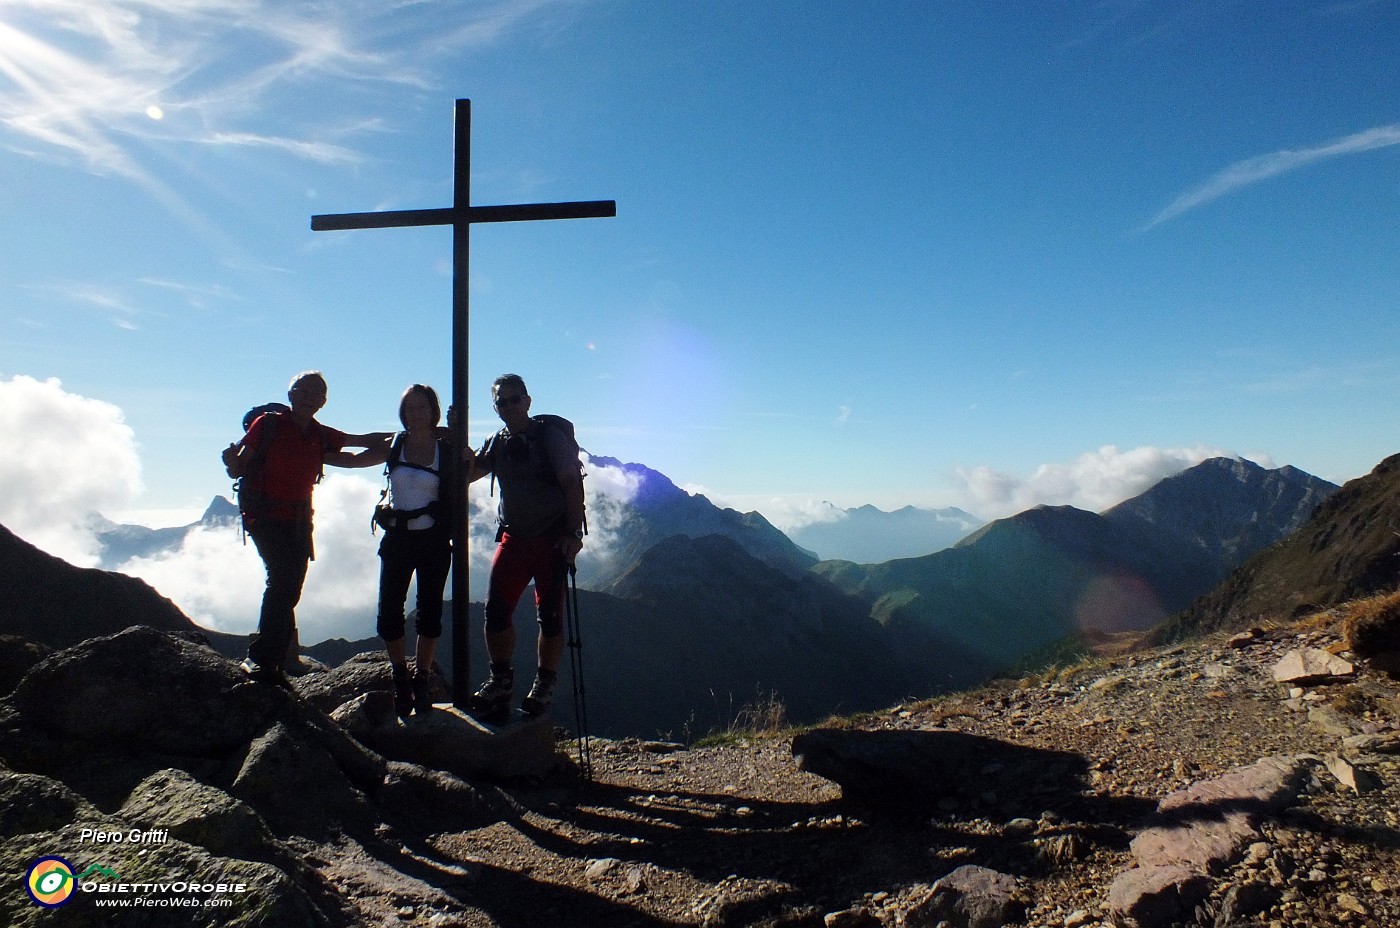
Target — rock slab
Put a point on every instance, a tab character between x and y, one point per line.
1196	832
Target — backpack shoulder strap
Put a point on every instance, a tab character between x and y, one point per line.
395	456
489	450
270	420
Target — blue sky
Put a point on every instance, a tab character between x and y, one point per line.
943	253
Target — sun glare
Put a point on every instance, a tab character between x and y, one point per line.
155	112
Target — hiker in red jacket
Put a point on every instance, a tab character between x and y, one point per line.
277	463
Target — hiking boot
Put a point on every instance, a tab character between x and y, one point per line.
403	692
494	696
422	702
260	673
541	695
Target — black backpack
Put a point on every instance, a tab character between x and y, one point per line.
256	411
546	420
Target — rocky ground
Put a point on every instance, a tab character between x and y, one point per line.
737	834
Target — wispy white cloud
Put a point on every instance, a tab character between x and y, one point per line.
104	299
1253	170
321	152
83	77
198	296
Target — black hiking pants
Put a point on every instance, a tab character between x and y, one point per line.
403	553
285	549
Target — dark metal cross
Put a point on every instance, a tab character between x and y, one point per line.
460	217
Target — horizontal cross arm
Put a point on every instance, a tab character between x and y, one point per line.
391	219
584	209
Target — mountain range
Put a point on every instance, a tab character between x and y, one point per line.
47	600
868	535
1024	584
706	613
658	509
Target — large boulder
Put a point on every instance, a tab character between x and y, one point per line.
172	877
17	657
217	782
919	768
365	672
141	691
969	897
449	739
108	714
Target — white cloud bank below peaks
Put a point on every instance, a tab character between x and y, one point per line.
68	457
1095	481
65	457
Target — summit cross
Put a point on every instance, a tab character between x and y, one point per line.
460	216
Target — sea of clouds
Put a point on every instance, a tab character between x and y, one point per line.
81	458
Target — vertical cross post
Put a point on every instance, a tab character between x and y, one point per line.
460	216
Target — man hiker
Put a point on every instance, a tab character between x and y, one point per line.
539	533
277	463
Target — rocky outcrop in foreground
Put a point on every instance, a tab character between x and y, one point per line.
147	755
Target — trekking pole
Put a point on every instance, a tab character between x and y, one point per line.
585	749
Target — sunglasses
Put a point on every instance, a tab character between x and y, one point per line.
502	401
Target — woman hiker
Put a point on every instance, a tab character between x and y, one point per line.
417	539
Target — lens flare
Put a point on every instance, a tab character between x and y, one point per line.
1119	603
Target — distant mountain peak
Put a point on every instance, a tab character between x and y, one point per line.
1345	550
658	509
869	535
219	510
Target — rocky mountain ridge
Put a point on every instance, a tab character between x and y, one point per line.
659	510
47	600
1347	550
1029	582
119	543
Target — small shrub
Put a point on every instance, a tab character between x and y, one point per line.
1371	629
767	713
